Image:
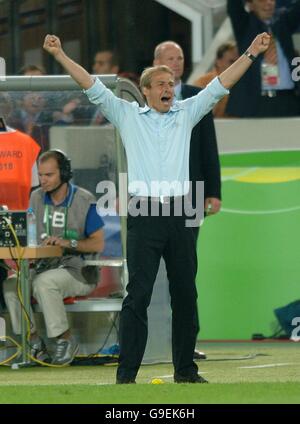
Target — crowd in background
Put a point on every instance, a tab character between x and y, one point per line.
35	112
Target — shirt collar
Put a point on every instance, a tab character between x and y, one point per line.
67	201
177	105
144	109
177	90
174	108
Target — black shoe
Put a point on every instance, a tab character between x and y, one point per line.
126	381
199	355
189	379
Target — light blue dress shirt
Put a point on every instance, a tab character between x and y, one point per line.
157	144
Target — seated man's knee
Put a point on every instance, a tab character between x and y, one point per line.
42	284
10	285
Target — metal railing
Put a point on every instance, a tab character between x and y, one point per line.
123	88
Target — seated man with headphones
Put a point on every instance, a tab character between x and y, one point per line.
66	216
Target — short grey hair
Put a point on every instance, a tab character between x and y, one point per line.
146	77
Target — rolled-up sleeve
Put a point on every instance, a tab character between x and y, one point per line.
111	106
206	99
217	89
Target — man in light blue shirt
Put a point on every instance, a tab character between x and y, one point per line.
156	138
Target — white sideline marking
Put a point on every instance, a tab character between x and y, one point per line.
267	212
103	384
240	174
267	365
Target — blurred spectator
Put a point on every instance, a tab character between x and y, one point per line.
32	70
74	112
227	53
272	91
32	117
106	62
6	106
31	114
32	105
132	76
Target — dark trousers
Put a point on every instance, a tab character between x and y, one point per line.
149	239
195	231
3	276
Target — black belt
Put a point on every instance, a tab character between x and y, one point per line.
277	93
164	200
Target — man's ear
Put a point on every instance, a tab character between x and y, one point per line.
145	91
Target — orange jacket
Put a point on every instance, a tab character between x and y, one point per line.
18	153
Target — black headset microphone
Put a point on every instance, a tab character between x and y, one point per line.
65	169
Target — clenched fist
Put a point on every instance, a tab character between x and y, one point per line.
52	44
260	44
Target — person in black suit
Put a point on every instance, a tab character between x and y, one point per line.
204	158
268	89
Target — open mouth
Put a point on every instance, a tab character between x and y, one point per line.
166	99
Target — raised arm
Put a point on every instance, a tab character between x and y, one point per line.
239	17
232	74
52	45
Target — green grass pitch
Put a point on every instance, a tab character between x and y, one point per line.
241	373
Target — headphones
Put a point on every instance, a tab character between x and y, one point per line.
64	164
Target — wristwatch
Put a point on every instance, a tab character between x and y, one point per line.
250	56
73	244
